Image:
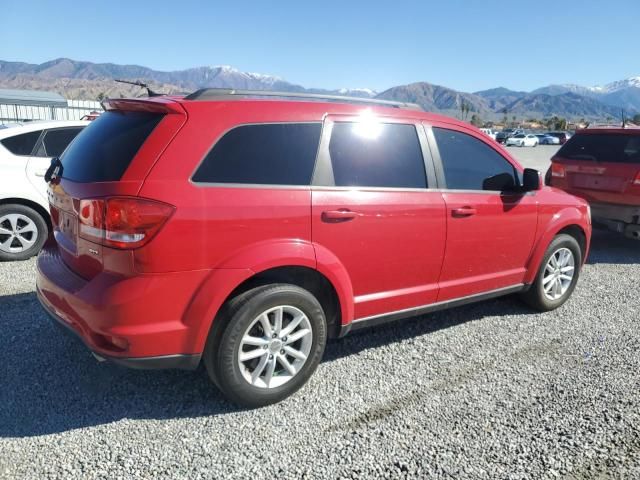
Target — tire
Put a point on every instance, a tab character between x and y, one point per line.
240	319
536	297
15	218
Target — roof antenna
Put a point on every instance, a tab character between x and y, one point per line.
138	83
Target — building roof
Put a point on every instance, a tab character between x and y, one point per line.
31	97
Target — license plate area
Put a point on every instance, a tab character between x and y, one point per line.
67	231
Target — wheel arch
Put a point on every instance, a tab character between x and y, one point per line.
31	204
571	224
276	262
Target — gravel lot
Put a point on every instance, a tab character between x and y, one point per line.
491	390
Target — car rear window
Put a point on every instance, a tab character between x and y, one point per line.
266	154
104	149
21	144
602	147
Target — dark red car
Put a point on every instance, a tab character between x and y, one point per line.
243	229
602	165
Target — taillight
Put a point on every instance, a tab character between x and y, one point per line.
557	170
122	222
636	181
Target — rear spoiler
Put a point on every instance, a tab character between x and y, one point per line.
157	105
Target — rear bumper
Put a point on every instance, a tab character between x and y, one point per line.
183	362
132	321
623	219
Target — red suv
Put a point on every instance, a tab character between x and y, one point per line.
243	229
602	165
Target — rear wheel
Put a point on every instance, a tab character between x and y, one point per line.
23	231
271	341
558	274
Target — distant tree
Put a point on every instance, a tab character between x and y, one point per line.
636	119
465	108
101	96
476	121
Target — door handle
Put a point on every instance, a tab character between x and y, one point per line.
464	211
337	216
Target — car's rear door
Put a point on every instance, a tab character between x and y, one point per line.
52	143
490	231
374	211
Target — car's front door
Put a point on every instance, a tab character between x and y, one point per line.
490	228
374	213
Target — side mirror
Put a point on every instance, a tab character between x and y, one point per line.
531	180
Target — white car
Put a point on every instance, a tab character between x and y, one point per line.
522	140
489	133
25	156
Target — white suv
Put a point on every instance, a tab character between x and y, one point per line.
25	155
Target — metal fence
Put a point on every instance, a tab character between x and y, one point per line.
75	110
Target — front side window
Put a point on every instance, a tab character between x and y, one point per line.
266	154
22	144
376	155
470	164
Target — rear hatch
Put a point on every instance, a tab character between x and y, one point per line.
109	160
603	167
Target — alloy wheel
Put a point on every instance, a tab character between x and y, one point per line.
558	274
275	347
17	233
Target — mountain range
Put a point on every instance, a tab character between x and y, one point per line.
88	80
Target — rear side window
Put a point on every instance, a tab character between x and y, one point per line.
266	154
378	155
105	148
605	147
21	144
470	164
56	141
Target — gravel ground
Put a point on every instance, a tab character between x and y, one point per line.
491	390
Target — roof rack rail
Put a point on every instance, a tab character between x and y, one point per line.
232	93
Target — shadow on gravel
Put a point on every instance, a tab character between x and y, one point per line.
611	247
50	383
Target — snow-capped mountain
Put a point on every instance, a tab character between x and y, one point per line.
622	93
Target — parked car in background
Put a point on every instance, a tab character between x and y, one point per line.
501	137
602	165
562	137
25	155
489	133
522	140
546	139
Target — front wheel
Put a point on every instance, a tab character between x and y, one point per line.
23	232
272	341
558	275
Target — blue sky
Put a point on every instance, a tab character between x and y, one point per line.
332	44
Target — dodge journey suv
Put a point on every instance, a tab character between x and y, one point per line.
602	165
243	229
